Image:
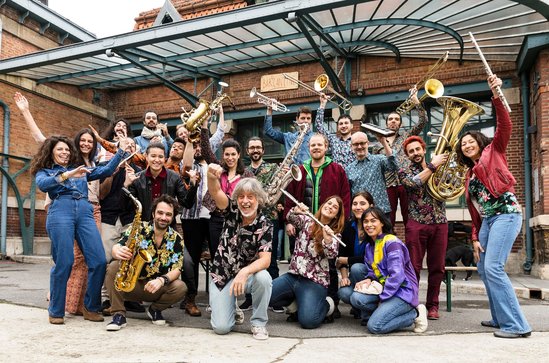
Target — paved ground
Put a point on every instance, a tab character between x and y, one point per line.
27	336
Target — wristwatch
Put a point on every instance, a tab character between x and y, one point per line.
166	279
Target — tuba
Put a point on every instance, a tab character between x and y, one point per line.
287	170
448	181
129	270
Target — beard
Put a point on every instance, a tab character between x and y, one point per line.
161	226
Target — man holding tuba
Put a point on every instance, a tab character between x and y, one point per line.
158	280
427	228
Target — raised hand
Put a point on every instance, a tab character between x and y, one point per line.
21	102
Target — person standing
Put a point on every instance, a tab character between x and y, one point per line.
496	215
153	132
427	227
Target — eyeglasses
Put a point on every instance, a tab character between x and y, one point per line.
255	148
357	144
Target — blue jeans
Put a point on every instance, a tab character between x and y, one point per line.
223	303
385	317
357	273
309	296
280	233
69	219
497	235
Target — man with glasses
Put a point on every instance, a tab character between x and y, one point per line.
367	172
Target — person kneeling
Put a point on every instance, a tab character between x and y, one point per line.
158	281
388	296
242	257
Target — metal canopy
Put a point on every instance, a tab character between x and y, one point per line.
279	33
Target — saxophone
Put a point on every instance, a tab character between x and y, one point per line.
287	170
129	270
193	120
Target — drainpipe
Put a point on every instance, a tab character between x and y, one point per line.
5	164
525	95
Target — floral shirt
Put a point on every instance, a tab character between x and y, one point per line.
305	261
239	245
367	175
391	177
340	149
490	205
264	174
422	207
166	258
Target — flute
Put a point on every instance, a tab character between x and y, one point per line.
489	72
311	215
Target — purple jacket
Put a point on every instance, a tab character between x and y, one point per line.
396	267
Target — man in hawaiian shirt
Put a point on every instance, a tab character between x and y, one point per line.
427	227
158	281
244	253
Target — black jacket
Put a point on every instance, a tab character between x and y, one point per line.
173	185
348	237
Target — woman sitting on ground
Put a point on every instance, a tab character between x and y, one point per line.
308	277
388	295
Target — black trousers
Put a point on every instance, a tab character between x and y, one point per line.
195	232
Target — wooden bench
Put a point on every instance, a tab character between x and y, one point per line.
449	270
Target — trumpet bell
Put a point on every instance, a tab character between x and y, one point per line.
253	92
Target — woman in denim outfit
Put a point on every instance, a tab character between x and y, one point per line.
496	216
70	217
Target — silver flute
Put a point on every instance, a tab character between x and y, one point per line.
489	72
311	215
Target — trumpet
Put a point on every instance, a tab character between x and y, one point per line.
407	105
433	88
320	86
269	102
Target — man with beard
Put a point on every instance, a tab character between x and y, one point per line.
242	257
153	132
321	179
395	190
340	145
158	281
427	228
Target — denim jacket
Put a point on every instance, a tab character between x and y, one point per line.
288	139
47	179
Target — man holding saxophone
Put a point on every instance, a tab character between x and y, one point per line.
158	279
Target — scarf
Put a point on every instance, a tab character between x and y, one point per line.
149	134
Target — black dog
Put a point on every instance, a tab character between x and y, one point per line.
463	253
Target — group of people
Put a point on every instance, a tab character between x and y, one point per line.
341	233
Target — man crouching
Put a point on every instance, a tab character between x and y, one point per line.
244	253
158	281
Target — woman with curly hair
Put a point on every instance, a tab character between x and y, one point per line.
308	277
71	217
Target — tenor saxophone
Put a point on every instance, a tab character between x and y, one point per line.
287	170
193	120
129	270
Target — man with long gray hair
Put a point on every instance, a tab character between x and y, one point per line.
242	257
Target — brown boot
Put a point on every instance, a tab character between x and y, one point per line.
92	316
190	306
56	321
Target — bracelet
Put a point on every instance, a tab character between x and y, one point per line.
165	278
63	177
431	167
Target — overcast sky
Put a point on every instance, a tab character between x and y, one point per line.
104	17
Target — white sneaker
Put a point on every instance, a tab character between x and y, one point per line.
292	308
260	332
238	315
331	304
421	323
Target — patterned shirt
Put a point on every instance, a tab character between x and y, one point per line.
239	245
264	174
340	149
305	261
391	177
422	207
490	205
166	258
367	175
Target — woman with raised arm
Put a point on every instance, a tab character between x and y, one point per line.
306	283
496	215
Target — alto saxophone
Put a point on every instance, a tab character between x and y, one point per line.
129	270
287	170
193	120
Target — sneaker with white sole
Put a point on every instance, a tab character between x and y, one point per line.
156	316
238	316
331	305
292	308
421	323
260	332
118	322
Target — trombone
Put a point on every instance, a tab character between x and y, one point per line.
433	87
269	102
322	84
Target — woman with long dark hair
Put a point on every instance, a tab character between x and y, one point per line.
387	296
496	215
70	217
308	277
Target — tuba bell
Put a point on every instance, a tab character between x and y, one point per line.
448	181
